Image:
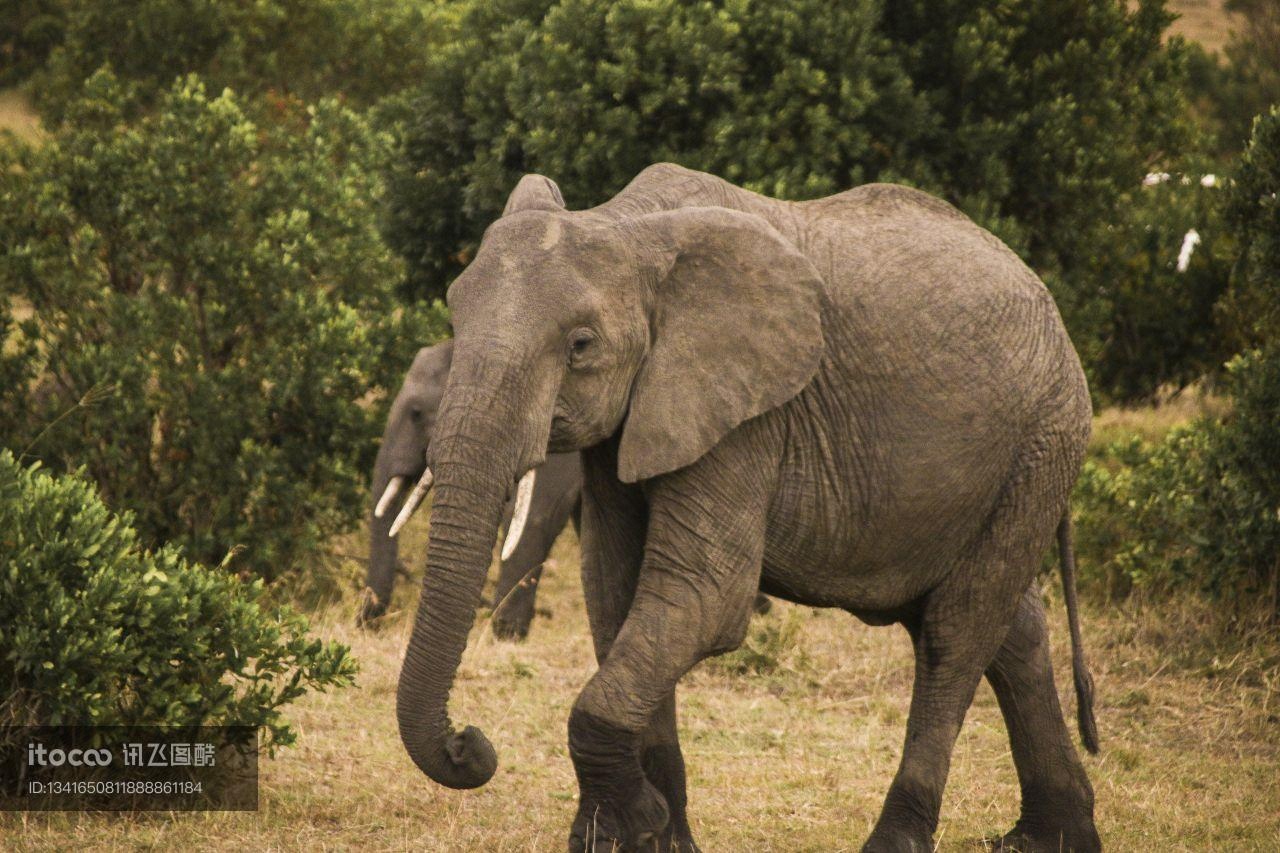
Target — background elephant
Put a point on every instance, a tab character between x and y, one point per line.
864	401
554	500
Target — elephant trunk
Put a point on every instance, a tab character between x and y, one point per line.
476	459
384	549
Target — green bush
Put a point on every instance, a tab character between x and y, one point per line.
1032	116
1245	81
96	630
363	49
1159	326
29	30
218	291
1253	210
1199	510
1202	508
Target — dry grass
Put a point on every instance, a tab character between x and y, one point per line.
795	757
1151	423
1205	21
16	115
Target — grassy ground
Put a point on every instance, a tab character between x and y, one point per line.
791	743
1152	423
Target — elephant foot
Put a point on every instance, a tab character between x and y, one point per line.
513	612
670	841
898	840
1027	839
763	604
512	632
511	621
370	608
638	825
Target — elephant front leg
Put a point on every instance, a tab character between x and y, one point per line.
693	599
515	597
618	807
662	763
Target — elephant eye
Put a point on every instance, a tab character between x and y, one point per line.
580	343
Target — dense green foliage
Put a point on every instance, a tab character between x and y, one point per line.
196	290
1034	117
795	99
29	30
1042	113
1253	211
362	49
96	630
1230	90
1202	508
1161	326
215	294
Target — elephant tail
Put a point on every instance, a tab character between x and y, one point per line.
1079	669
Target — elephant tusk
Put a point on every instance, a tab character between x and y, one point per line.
412	502
524	496
393	489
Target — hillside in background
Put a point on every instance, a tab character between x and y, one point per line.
1205	21
16	115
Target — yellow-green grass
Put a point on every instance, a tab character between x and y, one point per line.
1152	423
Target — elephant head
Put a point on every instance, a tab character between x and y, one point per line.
401	461
666	328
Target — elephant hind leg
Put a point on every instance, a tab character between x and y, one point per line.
663	763
954	641
1057	799
958	631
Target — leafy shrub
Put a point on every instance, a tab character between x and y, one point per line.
1254	212
364	49
1245	81
1159	325
29	30
1043	113
772	644
1032	116
218	288
96	630
1202	508
1199	510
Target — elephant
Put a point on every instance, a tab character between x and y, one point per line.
864	401
401	459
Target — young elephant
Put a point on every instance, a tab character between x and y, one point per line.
402	461
864	401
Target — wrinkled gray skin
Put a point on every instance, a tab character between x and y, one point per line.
403	453
863	401
555	500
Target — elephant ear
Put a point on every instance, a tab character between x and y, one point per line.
534	192
736	328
